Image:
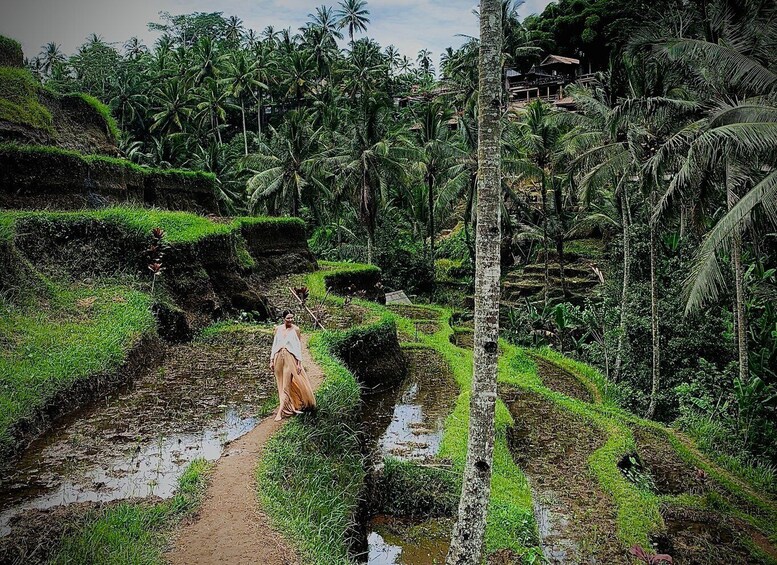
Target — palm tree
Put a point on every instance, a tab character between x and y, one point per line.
467	539
353	15
212	107
539	139
425	63
378	155
50	56
603	165
296	73
207	61
241	83
134	48
128	101
172	100
284	171
324	20
234	30
437	156
733	144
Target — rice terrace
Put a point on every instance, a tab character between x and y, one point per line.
389	283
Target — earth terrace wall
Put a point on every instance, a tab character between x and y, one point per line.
38	177
203	275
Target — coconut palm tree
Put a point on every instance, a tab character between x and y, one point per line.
173	104
241	82
468	534
285	170
378	155
234	30
325	20
353	15
50	56
733	145
539	140
437	156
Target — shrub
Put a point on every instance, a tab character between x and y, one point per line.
11	54
19	100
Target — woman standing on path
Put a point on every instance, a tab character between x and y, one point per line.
294	391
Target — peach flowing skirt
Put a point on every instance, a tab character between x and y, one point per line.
294	390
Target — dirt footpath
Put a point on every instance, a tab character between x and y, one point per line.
230	527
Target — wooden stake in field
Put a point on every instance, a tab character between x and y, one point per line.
468	535
316	322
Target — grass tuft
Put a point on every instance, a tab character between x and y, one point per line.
19	100
134	532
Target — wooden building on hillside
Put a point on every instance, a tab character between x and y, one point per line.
545	81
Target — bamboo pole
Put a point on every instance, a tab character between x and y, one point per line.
312	315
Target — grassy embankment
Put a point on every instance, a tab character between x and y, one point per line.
510	521
321	471
638	507
133	532
55	332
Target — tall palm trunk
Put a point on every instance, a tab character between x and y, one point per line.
654	313
370	246
469	532
739	283
625	288
558	204
544	194
430	185
245	131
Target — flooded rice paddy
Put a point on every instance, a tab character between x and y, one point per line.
137	441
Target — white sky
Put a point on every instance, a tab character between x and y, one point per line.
409	24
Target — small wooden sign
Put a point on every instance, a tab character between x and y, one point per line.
398	297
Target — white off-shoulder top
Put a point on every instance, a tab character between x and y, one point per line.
290	341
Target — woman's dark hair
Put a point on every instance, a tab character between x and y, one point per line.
286	313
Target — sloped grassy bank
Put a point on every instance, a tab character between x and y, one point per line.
39	176
320	515
641	514
644	506
78	318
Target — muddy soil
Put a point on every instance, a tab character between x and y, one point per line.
556	378
697	537
137	441
575	518
413	312
463	339
670	473
407	421
394	541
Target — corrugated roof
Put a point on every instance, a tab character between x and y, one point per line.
550	59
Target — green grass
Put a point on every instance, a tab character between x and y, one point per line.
19	100
638	509
96	160
64	337
6	227
587	248
111	127
248	221
180	227
132	532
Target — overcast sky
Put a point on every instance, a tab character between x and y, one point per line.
409	24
